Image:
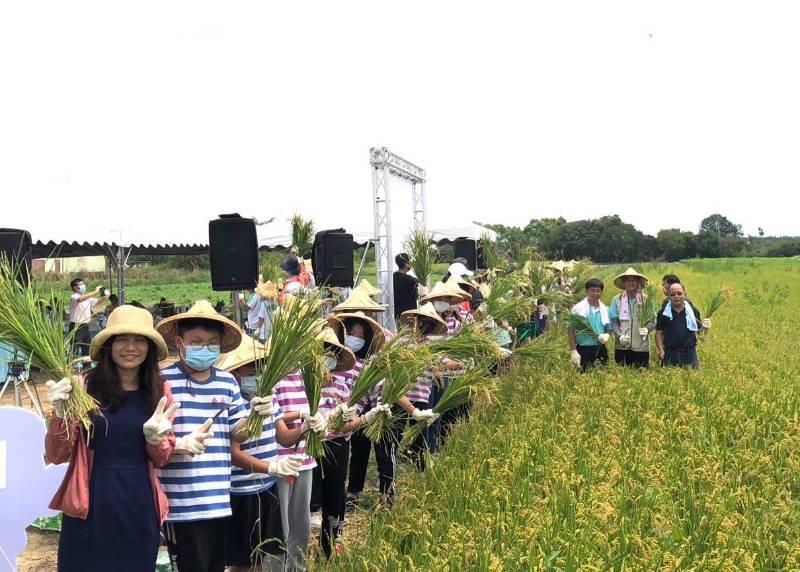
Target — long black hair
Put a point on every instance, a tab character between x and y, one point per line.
104	385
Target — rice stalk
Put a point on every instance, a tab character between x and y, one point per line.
302	234
470	342
423	256
650	304
580	325
314	373
491	253
290	346
713	301
27	325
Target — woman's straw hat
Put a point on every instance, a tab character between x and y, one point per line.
425	312
249	350
267	290
367	287
128	320
619	281
446	291
359	301
231	336
345	359
378	335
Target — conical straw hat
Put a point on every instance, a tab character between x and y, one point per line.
336	322
367	287
446	291
426	312
231	336
619	281
249	350
359	301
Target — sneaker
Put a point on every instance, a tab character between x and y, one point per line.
316	520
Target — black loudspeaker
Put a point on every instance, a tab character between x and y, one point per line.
466	248
332	258
15	245
233	253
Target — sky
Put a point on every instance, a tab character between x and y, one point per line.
151	118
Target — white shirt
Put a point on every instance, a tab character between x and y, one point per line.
253	310
80	312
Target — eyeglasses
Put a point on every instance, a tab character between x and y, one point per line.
679	295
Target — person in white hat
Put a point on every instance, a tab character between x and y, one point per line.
198	484
632	336
112	501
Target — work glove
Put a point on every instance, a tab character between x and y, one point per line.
317	423
422	290
603	339
424	416
58	393
264	406
372	413
157	427
706	323
643	332
348	413
625	340
286	466
575	358
195	443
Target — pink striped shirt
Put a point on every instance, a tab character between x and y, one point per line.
332	395
421	391
290	395
453	324
350	376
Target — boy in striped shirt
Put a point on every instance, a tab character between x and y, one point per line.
197	480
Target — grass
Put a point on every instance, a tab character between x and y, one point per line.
616	469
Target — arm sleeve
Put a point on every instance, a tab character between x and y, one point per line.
239	409
660	320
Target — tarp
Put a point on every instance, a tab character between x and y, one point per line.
473	231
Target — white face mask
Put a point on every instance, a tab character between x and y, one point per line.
440	306
354	343
330	362
248	385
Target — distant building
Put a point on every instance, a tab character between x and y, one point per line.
70	265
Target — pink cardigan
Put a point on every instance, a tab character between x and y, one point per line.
62	444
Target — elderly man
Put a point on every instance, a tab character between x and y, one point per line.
632	336
677	327
587	348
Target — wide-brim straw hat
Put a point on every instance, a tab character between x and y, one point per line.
231	335
345	359
358	301
619	281
378	335
425	312
466	283
365	286
446	291
249	350
128	320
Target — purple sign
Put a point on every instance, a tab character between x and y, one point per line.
26	484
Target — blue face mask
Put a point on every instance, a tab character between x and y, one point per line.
248	385
201	358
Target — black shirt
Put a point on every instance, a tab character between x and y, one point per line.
676	334
405	293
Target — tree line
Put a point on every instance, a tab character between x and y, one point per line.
610	239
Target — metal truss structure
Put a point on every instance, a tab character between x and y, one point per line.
384	163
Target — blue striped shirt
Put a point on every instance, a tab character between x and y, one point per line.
198	488
263	448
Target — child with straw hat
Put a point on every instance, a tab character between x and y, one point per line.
112	501
197	525
255	533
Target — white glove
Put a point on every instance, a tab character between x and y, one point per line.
603	339
317	423
58	393
625	340
643	332
286	466
195	442
372	413
263	406
424	416
348	413
575	358
157	427
706	323
422	290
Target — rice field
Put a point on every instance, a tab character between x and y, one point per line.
617	469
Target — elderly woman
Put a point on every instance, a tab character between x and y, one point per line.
632	334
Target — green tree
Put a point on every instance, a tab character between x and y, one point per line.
721	226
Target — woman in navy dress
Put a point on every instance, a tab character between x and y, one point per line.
112	503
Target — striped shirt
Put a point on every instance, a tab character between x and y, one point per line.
263	448
453	324
330	397
198	488
290	395
421	391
